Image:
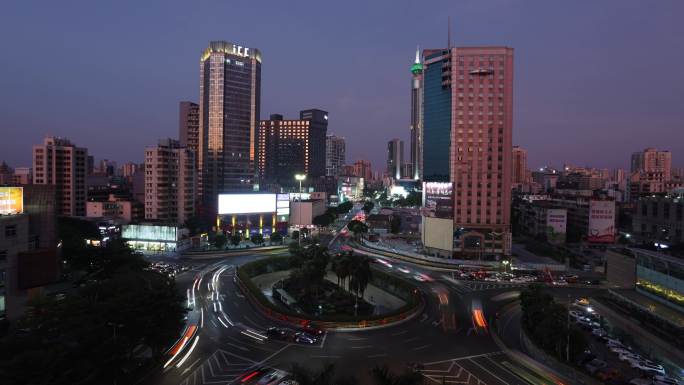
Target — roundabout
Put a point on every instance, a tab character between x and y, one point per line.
451	337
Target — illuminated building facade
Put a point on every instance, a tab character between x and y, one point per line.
334	155
60	163
395	158
289	147
188	125
520	171
230	93
170	182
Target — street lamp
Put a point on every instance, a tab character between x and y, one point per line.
300	178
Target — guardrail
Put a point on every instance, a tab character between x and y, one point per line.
281	315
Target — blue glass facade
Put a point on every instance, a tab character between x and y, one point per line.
437	123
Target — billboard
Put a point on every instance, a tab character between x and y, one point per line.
283	204
556	225
11	200
438	199
149	233
601	222
246	203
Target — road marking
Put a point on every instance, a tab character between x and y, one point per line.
488	371
324	338
465	358
399	333
357	339
411	339
422	347
325	357
238	346
377	355
189	367
362	347
274	354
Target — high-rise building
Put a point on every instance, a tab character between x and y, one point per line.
395	158
520	170
170	182
407	170
60	163
188	125
417	117
230	92
468	109
128	169
334	155
289	147
362	169
436	114
651	172
22	176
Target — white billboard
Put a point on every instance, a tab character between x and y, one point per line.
601	221
246	203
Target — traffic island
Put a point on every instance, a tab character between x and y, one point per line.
337	305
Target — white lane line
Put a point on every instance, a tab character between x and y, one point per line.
326	357
324	337
237	346
465	358
411	339
488	371
357	339
422	347
201	317
222	323
362	347
215	324
190	367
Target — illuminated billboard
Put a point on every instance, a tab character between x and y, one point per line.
149	233
601	222
11	200
246	203
283	204
438	199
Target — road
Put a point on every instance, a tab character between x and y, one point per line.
450	338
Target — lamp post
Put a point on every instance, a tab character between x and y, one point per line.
300	178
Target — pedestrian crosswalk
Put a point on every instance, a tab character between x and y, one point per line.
463	287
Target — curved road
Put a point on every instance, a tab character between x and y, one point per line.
449	338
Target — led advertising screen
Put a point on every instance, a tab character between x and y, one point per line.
601	222
246	203
438	199
11	200
149	233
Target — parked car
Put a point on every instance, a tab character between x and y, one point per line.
276	333
594	365
271	377
304	338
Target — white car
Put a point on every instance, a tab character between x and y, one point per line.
664	380
419	278
403	269
648	368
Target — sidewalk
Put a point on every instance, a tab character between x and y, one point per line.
384	302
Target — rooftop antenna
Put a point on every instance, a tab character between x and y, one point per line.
449	32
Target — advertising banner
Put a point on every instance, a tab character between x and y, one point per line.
556	225
246	203
438	200
601	222
11	200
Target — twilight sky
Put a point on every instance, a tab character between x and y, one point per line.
594	80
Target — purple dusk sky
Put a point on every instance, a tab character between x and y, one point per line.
594	80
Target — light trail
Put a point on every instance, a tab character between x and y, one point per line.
194	343
222	323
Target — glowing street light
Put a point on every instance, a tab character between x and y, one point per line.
300	178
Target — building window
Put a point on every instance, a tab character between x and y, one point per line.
11	231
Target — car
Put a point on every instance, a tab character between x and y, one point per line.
403	270
304	338
271	377
560	282
418	278
664	380
599	332
630	359
276	333
619	349
648	368
575	314
594	365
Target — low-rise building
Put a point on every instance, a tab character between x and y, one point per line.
660	277
660	217
115	207
155	237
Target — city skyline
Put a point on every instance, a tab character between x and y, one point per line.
556	120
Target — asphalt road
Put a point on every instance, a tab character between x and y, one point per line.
445	338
